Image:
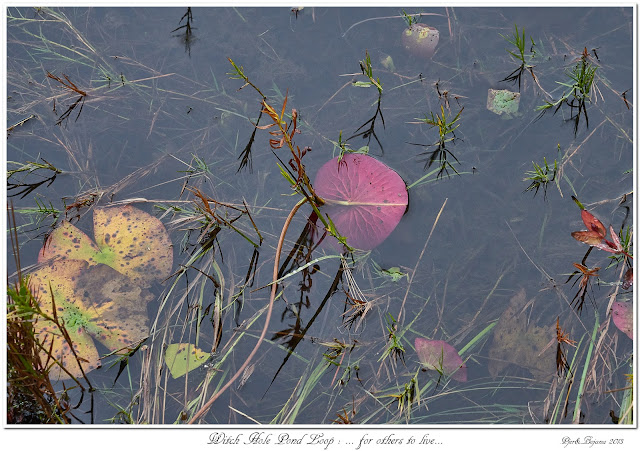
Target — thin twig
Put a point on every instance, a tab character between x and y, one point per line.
387	17
274	289
566	159
424	248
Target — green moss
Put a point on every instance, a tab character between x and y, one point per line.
503	101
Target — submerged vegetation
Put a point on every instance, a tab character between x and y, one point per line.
245	265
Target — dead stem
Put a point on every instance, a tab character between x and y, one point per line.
567	158
548	277
274	289
334	94
388	17
424	248
604	329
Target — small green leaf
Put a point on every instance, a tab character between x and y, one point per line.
363	84
286	175
183	357
395	274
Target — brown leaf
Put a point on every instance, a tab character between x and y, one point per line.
592	238
518	342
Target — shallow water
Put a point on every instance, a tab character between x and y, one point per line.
158	99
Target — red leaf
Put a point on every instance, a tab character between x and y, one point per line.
364	198
593	223
616	239
590	237
607	246
622	313
442	357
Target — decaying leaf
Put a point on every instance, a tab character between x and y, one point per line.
440	356
68	241
183	357
133	242
517	342
128	239
622	313
93	303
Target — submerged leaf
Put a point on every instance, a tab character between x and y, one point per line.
91	302
54	284
441	356
517	342
364	198
119	306
183	357
622	313
420	40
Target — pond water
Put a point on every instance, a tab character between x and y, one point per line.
476	261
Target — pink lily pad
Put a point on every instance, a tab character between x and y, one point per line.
93	303
622	313
441	356
128	239
364	198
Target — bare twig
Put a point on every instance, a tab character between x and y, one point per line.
424	248
274	289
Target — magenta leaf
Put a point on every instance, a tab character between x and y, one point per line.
616	239
442	357
622	313
365	198
606	247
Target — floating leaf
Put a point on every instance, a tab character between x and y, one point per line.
441	356
588	236
133	242
596	231
622	313
91	301
593	223
364	197
518	342
183	357
129	240
69	242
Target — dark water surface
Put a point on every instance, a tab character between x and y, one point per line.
158	100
